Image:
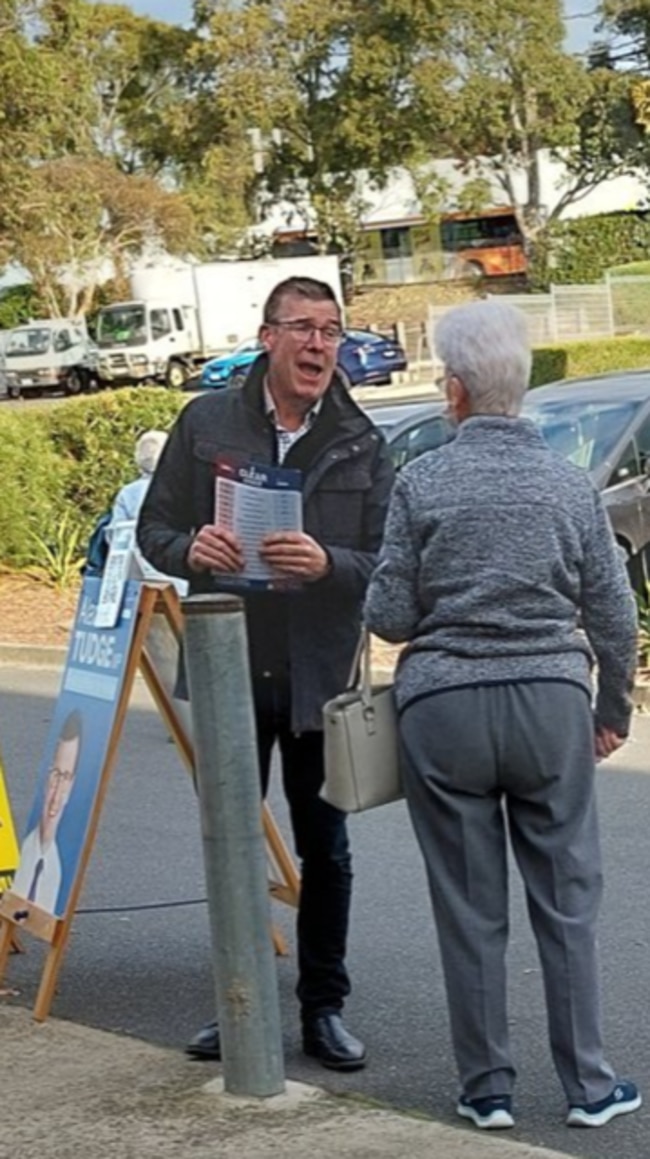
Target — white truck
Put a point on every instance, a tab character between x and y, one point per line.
180	318
53	354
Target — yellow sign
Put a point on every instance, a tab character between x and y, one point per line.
8	843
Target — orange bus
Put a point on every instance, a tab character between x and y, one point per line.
489	243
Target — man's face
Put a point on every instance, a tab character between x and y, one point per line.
302	354
59	786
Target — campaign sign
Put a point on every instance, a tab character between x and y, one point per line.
75	751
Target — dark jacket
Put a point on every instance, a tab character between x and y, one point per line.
310	632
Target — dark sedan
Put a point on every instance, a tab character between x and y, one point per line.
601	424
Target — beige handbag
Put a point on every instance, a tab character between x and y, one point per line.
361	752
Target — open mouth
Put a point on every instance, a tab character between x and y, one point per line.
310	369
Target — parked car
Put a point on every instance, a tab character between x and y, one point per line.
601	424
50	355
366	359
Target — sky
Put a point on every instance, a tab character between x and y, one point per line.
579	13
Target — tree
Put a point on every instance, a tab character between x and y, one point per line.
312	94
83	221
132	74
86	88
514	95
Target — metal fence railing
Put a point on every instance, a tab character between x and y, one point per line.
617	306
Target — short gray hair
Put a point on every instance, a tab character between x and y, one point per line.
485	344
147	450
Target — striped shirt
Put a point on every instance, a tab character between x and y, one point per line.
286	439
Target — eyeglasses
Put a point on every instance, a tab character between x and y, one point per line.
331	334
61	776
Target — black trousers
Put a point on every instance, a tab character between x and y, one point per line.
321	843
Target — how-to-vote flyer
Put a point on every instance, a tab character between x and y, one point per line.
252	500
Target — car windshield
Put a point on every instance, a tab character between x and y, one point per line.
125	325
32	341
586	432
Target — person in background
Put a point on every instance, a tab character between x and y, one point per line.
500	571
293	410
127	503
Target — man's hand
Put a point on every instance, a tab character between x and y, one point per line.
215	549
607	742
292	553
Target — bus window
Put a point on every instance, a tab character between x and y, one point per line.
490	242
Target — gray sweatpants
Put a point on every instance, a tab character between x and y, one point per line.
471	757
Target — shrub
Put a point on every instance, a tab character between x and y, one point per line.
581	250
62	466
577	359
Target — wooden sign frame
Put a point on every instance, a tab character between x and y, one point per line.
157	608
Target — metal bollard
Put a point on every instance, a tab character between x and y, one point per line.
233	844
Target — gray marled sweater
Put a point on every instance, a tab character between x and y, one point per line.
495	548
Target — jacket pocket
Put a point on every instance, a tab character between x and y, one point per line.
340	506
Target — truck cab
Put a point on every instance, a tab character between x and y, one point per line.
146	342
49	355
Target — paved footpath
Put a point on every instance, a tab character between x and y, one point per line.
70	1091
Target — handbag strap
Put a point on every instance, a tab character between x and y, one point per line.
360	673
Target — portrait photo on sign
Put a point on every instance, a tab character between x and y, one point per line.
47	860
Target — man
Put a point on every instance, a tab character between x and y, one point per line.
500	570
293	410
38	877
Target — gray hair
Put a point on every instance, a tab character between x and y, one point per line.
485	344
147	450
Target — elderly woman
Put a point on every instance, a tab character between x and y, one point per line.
497	553
129	499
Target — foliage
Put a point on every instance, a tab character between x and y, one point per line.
312	93
86	88
62	466
82	216
16	306
578	359
33	486
515	95
59	555
582	250
643	615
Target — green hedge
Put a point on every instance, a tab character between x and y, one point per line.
63	464
581	250
579	359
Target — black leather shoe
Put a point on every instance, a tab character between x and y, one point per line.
324	1037
207	1043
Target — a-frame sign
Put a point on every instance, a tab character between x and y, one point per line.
82	746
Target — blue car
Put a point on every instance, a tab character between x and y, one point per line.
366	359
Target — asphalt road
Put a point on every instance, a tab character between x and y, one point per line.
148	972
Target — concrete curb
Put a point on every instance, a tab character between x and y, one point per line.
92	1092
33	655
53	656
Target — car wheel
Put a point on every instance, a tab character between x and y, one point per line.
236	379
13	391
74	383
176	376
475	271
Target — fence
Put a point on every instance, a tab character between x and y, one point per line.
618	306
